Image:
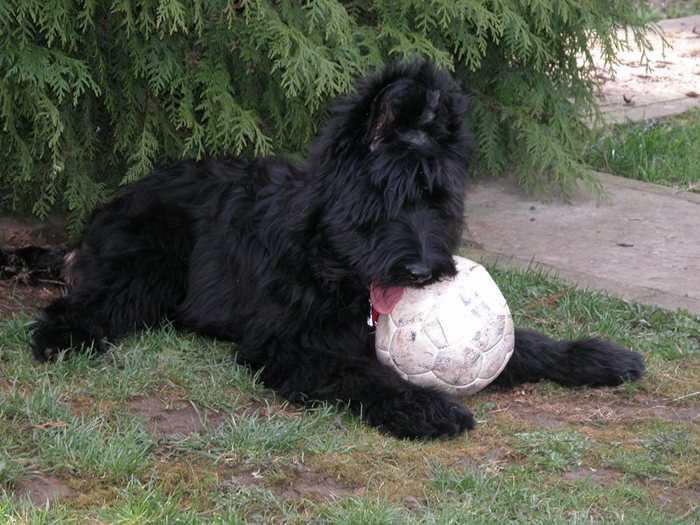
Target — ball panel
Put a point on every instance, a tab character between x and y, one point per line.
412	352
449	314
435	332
458	366
489	329
384	357
428	380
496	359
384	333
413	307
478	384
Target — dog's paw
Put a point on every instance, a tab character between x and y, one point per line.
420	414
53	333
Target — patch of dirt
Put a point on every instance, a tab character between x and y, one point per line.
306	483
597	407
173	417
593	476
16	297
678	500
299	482
41	489
539	417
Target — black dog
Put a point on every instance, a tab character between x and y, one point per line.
282	259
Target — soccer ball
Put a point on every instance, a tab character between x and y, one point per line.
456	335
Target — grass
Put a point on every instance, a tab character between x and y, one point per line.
663	151
541	453
661	10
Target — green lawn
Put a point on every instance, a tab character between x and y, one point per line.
663	151
168	429
663	9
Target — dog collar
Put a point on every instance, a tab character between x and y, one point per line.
372	317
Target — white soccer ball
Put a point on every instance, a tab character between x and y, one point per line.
456	335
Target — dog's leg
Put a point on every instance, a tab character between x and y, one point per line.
589	362
101	310
130	272
68	323
369	389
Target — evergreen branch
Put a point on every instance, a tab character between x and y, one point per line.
96	93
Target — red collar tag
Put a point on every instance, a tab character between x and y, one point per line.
372	317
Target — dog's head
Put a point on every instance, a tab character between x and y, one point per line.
392	163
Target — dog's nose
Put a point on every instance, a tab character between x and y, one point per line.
419	272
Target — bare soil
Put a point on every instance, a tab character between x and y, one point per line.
301	481
41	489
15	297
593	476
164	418
593	407
304	482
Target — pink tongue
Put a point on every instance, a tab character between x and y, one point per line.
384	299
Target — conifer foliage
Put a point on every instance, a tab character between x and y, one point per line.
93	94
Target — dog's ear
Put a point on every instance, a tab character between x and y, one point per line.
381	117
405	108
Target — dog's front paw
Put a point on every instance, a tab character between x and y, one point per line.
420	414
54	332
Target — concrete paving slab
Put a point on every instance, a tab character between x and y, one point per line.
642	242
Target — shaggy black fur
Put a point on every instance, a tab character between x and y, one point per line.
280	258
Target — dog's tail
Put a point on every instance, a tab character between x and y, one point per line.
33	264
585	362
